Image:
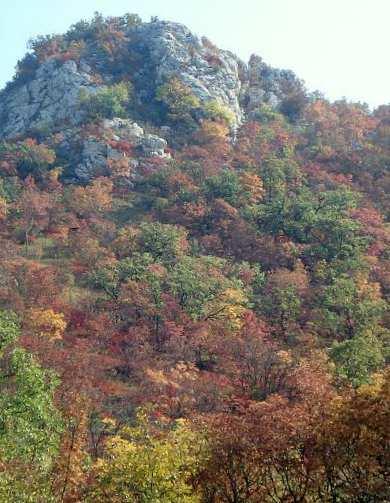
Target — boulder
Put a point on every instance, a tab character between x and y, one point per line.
149	145
93	160
153	146
95	153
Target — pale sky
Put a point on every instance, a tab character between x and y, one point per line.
340	47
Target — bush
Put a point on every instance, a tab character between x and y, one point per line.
215	110
163	241
178	101
108	102
26	158
225	185
266	114
357	358
9	329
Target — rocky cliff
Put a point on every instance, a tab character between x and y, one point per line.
211	73
50	98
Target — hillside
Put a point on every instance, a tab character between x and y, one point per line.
194	277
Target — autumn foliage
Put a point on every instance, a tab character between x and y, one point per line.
211	327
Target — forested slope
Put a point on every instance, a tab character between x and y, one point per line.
194	277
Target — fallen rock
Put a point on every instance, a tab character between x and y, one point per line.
150	145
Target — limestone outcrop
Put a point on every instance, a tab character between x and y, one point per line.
50	98
211	73
91	156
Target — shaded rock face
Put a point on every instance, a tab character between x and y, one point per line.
50	98
267	85
94	160
211	73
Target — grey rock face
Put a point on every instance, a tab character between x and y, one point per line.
49	99
52	97
256	94
95	155
93	162
125	128
153	146
212	74
150	145
268	85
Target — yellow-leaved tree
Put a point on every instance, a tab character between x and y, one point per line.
146	466
45	323
229	306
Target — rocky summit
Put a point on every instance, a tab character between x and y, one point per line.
51	96
62	73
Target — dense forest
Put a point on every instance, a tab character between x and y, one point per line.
204	322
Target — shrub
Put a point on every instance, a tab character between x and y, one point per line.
178	102
26	158
108	102
215	110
